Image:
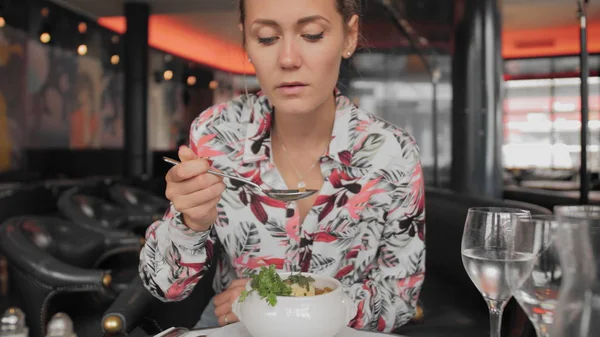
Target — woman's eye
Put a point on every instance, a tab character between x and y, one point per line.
266	40
313	37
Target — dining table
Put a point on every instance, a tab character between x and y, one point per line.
239	330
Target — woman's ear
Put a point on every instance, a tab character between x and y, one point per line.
351	36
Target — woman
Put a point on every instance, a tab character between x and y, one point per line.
365	227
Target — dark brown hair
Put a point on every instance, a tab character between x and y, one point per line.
347	8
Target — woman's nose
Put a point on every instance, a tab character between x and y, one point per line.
289	57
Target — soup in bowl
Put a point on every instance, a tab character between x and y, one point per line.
283	304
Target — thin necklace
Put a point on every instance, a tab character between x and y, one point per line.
301	185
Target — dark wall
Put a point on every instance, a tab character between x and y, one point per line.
85	163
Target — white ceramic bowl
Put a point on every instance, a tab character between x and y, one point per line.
312	316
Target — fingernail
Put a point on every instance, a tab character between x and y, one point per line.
210	162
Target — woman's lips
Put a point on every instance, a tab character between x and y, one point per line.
291	89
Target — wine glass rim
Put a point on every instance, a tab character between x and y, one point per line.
487	209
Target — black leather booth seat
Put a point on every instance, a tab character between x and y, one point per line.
452	306
143	206
138	199
108	251
22	200
116	208
56	265
16	200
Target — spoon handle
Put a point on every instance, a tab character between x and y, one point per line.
225	175
217	173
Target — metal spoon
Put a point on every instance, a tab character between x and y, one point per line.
282	195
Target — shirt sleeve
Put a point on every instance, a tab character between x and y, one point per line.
175	257
387	298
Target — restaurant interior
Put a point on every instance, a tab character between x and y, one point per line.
502	97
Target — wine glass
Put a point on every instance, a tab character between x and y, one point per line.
538	292
497	250
578	236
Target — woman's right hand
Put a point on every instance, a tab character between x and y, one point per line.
194	192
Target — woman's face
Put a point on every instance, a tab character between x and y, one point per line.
296	47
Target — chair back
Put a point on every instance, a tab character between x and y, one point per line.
36	249
138	199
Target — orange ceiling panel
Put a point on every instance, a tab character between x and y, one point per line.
165	33
173	37
554	41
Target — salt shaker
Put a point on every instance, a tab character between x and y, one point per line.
60	325
12	324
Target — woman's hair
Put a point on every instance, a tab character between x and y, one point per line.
347	8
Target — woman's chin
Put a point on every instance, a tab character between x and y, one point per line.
295	107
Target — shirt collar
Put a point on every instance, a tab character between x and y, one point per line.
257	145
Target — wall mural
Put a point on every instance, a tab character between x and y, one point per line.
12	71
72	101
50	95
174	94
111	108
52	98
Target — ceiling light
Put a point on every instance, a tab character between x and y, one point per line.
114	60
191	80
82	27
168	75
45	37
82	49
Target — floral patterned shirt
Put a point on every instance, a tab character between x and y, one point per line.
366	227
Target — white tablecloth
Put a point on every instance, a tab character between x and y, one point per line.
239	330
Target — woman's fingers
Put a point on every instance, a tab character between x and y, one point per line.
197	183
228	319
207	196
187	170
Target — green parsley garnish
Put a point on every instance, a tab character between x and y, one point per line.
301	280
268	284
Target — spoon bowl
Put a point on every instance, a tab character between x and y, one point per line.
281	195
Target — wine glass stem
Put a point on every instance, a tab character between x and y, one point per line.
496	310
